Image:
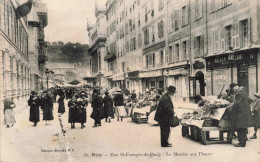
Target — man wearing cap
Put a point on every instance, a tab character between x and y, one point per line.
256	114
241	114
164	113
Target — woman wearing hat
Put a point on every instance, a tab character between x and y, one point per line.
34	103
9	119
61	108
47	107
97	105
119	103
108	107
256	115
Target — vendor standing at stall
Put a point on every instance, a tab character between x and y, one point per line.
164	113
256	115
241	114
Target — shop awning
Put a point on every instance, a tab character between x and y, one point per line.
118	77
150	74
180	71
110	57
133	74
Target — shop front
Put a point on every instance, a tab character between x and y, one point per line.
238	67
152	79
179	77
119	80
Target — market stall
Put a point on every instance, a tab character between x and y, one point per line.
212	115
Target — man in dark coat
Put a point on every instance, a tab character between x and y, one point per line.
164	113
47	107
34	103
108	107
97	106
241	114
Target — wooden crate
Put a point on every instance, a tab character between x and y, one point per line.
139	119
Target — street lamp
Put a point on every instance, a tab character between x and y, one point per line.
47	75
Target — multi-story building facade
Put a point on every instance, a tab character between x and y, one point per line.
198	46
37	21
178	47
111	44
97	50
153	56
15	72
233	45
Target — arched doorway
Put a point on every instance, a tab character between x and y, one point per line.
200	83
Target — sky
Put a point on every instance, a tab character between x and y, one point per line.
67	20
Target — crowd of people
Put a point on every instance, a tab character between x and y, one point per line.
108	103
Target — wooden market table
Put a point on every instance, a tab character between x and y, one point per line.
199	130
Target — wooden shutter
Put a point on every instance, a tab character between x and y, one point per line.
195	47
201	45
187	15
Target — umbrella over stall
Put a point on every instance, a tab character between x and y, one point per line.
74	82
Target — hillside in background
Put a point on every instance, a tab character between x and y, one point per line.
55	54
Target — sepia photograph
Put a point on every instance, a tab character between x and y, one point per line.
129	80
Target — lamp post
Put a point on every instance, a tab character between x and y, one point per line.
47	75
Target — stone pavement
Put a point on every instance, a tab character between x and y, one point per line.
24	142
116	141
128	141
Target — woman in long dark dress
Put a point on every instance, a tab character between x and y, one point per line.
97	106
72	104
34	103
82	103
61	108
108	107
47	107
